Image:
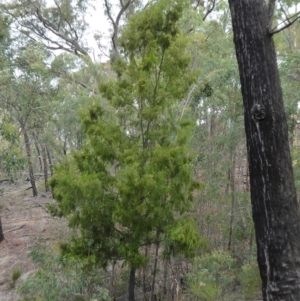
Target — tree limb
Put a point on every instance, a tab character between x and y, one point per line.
209	10
71	79
290	23
29	15
116	23
73	43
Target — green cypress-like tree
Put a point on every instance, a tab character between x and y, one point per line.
131	185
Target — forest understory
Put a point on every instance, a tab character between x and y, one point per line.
28	226
25	222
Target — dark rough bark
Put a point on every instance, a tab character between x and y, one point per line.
1	231
273	196
131	284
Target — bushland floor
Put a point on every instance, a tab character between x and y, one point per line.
25	221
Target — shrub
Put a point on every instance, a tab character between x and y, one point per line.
250	280
61	278
16	274
213	276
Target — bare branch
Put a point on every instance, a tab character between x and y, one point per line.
290	23
70	78
116	28
116	23
29	15
209	10
283	10
14	229
72	43
108	11
60	18
47	39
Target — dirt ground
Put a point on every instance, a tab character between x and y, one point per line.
24	221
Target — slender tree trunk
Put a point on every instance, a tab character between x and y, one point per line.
35	137
65	147
166	288
131	284
45	167
145	268
154	268
273	196
1	231
232	187
30	167
112	280
49	160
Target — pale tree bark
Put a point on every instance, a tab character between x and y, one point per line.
30	165
232	188
124	5
273	195
49	160
35	137
45	163
1	231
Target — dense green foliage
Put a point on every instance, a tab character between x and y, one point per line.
131	185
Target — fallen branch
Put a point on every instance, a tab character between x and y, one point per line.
16	228
5	180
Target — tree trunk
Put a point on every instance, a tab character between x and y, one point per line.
45	167
1	231
232	187
112	280
155	268
131	284
273	196
145	270
49	160
30	167
35	137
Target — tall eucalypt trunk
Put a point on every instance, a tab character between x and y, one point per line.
273	196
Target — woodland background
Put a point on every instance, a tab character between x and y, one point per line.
50	82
